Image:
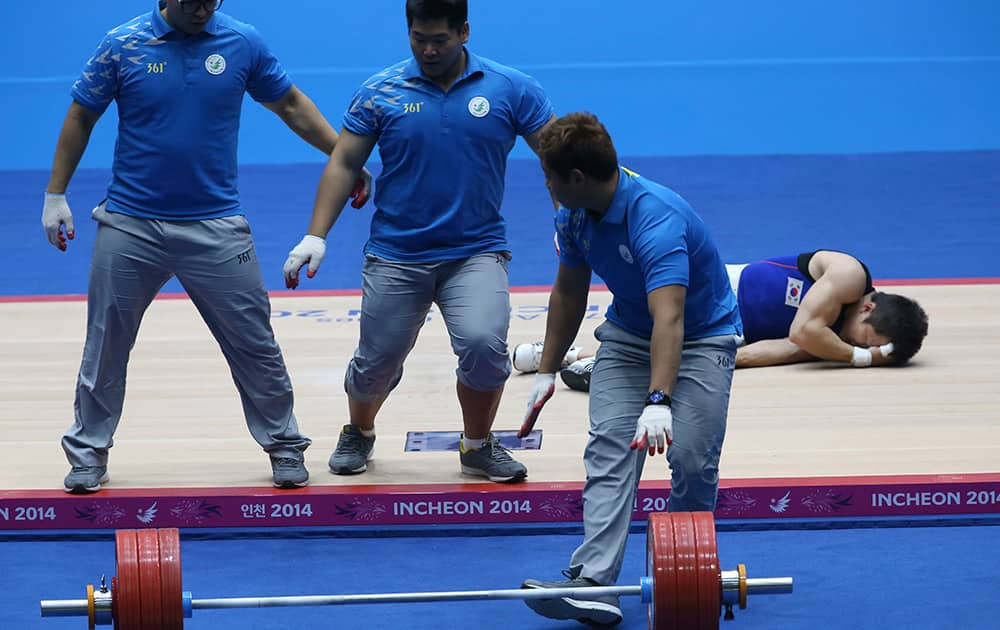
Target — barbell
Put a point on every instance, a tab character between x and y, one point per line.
684	588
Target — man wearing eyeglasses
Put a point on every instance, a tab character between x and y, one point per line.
178	75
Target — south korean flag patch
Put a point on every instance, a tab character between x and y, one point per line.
793	292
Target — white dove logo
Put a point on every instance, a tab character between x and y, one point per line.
146	516
780	505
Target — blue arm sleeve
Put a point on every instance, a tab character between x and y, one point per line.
533	107
98	83
362	114
268	81
660	246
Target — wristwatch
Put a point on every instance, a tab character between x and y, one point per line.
658	397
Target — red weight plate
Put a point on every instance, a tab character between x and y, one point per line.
685	552
660	566
709	575
114	602
149	579
170	579
128	595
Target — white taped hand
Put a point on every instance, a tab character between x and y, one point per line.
55	215
862	357
654	428
541	391
310	249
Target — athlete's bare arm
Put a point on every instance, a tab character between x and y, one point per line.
840	280
771	352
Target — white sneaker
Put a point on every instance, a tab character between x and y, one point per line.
577	374
527	357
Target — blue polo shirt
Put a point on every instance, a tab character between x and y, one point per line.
179	99
651	238
444	155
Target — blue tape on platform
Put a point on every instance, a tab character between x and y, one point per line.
448	440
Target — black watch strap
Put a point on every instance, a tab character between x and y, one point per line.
658	397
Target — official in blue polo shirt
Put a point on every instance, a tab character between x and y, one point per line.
664	367
178	75
444	122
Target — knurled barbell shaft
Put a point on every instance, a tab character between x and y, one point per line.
78	607
587	592
755	586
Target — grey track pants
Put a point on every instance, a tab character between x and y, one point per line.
216	263
618	390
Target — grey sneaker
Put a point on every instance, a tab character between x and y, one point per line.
577	374
84	479
289	473
352	453
492	461
604	611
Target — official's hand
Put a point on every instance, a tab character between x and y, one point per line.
362	189
541	391
55	215
310	249
655	428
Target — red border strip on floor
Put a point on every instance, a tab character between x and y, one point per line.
830	498
517	289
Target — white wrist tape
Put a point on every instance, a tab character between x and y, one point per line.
862	357
887	349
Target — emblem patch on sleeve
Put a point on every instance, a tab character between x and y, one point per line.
793	292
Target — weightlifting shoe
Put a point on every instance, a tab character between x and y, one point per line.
577	374
527	357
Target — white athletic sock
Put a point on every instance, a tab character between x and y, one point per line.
468	444
368	433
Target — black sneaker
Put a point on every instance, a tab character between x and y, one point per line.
577	374
352	453
289	473
492	461
85	479
603	611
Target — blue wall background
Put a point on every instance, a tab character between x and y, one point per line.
668	77
871	126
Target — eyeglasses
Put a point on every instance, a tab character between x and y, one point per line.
190	7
